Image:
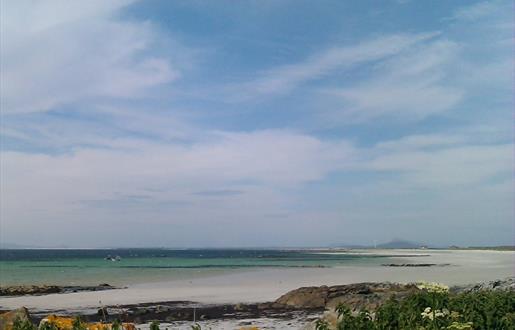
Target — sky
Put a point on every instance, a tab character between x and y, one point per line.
256	123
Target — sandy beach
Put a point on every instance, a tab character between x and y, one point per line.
464	266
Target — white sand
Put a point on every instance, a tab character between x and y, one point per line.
269	284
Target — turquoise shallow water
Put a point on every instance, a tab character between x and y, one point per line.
89	267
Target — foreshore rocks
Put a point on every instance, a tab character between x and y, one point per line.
21	290
507	284
305	304
357	296
29	290
370	295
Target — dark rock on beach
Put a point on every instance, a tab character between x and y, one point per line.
306	297
507	284
29	290
21	290
357	296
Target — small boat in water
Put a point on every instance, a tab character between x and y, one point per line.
109	258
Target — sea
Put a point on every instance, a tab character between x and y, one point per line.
122	267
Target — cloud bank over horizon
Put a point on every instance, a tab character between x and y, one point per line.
189	124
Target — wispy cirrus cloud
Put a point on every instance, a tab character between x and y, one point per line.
56	53
447	166
219	192
411	85
285	78
479	10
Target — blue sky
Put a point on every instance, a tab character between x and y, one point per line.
256	123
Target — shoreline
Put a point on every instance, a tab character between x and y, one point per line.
262	285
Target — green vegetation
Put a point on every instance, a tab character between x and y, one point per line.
154	325
79	325
117	325
434	308
44	326
20	324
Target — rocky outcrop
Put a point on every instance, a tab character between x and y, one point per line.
306	297
20	290
357	296
371	295
7	319
29	290
507	284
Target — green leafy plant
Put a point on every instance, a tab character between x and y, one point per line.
48	326
154	325
434	309
321	325
78	324
117	325
20	324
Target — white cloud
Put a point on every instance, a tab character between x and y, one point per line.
92	185
274	157
411	85
61	52
141	184
480	10
418	142
285	78
448	166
